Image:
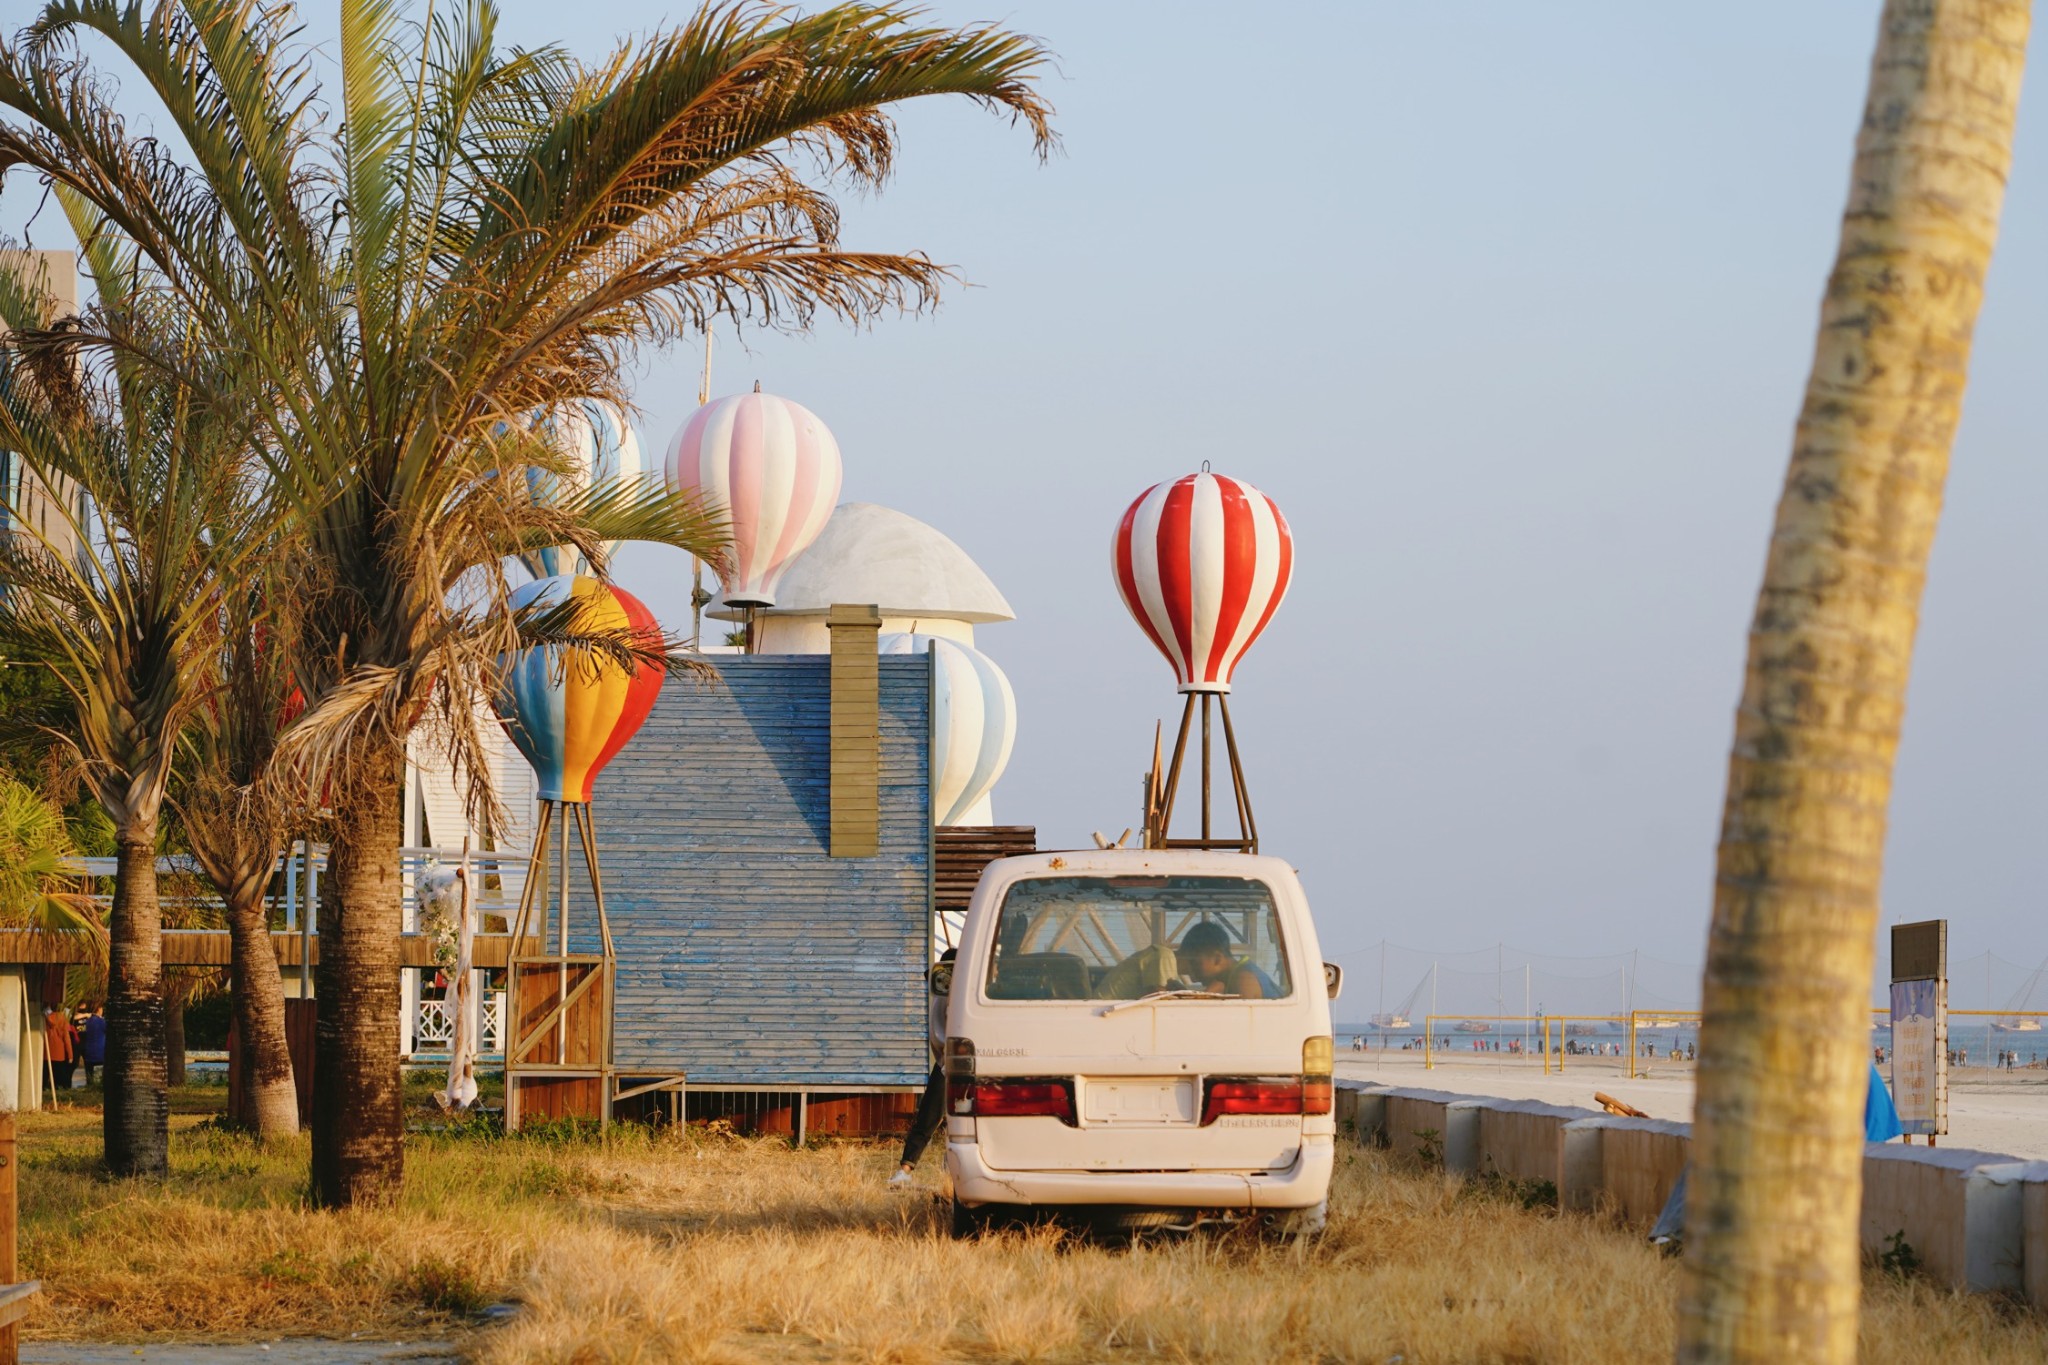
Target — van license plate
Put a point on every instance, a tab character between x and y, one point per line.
1119	1101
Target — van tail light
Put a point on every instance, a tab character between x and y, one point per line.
960	1076
1223	1095
1019	1097
1318	1060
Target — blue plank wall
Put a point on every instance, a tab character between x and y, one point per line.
747	955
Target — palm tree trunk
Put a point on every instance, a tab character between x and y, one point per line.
270	1098
358	1113
1771	1270
137	1119
176	995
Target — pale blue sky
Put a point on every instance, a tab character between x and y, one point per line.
1509	307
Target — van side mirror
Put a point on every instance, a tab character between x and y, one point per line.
941	978
1333	978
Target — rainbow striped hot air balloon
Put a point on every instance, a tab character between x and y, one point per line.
570	717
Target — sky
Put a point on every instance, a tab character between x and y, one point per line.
1510	309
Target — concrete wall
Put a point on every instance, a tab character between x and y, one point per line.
1623	1164
2034	1231
1417	1120
1960	1211
1524	1140
1976	1220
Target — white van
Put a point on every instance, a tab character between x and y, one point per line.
1141	1037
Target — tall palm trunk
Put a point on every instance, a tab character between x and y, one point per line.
1771	1248
177	993
358	1113
270	1098
138	1114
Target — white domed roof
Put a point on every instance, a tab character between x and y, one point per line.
877	555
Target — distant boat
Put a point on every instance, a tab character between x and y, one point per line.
1472	1026
2017	1025
1665	1021
1580	1030
1394	1020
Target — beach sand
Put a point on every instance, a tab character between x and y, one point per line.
1989	1111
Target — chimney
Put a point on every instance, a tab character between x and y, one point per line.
856	731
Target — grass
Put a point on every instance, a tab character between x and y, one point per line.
708	1247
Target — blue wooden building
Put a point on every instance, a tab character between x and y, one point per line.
766	849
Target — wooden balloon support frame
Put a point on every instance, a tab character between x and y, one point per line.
558	1059
1162	784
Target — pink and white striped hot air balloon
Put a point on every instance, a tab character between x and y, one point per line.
773	469
1202	563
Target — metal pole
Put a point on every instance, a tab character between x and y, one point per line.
306	918
1247	824
562	943
291	888
1205	781
1180	744
698	597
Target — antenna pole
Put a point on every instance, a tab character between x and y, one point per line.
698	597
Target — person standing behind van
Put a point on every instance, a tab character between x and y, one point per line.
62	1039
1204	954
931	1106
92	1041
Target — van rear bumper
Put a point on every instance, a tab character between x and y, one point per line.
1303	1185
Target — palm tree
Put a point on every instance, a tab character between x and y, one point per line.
114	603
238	810
1771	1246
488	236
38	871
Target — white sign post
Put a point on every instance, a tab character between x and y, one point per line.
1920	1027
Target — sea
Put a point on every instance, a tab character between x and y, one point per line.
1973	1039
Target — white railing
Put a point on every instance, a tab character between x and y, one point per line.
501	877
433	1029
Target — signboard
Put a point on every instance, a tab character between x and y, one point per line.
1920	1026
1920	1055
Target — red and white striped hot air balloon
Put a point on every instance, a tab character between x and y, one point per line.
772	467
1202	563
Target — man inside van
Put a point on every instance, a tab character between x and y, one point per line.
1206	960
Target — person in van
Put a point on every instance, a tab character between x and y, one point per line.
1204	956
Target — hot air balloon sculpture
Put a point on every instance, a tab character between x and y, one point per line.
570	711
974	723
601	447
772	468
1202	563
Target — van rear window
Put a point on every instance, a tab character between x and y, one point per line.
1120	938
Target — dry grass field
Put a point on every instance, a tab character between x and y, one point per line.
707	1247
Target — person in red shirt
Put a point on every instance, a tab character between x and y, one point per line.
62	1039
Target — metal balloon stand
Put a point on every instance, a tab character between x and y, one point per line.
1162	785
558	1062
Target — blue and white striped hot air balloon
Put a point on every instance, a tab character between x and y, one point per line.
974	723
600	445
